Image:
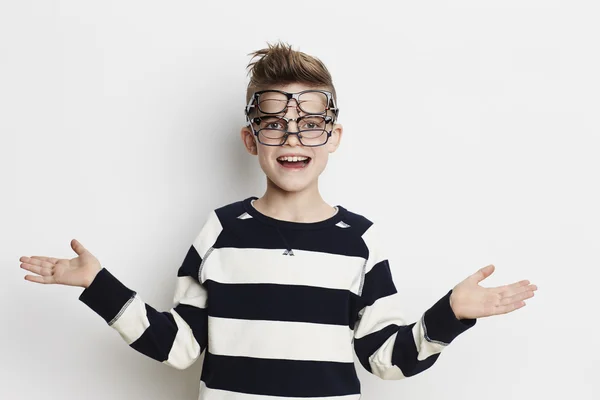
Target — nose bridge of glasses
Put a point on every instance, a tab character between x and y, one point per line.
289	107
292	138
290	120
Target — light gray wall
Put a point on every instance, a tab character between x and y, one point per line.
471	136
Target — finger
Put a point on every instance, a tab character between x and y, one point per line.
36	269
484	272
518	289
509	307
39	279
516	285
77	247
516	298
38	261
49	259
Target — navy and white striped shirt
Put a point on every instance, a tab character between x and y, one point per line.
280	307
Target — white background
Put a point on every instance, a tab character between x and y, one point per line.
471	136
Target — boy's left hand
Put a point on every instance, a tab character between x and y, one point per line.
469	300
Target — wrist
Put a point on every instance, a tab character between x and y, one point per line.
453	306
90	278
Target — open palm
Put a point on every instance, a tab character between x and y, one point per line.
469	300
78	271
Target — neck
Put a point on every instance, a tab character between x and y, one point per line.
302	206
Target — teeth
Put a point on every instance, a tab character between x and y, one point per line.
292	158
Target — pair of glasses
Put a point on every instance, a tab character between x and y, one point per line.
276	101
273	130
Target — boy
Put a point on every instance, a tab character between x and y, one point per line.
281	290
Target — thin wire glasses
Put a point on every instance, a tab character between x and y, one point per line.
276	101
273	130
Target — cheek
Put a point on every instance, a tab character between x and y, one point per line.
264	157
320	160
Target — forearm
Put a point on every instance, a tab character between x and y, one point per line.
162	336
399	350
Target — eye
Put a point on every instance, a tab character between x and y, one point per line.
273	125
313	123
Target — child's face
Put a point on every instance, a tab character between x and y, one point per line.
293	177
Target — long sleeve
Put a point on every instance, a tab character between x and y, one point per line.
385	344
175	337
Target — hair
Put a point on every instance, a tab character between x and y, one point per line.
279	64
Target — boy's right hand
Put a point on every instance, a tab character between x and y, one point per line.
78	271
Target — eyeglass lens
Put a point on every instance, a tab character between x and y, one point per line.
311	102
312	130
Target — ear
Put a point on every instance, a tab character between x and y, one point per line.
249	140
336	137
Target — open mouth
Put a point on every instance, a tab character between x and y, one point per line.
293	161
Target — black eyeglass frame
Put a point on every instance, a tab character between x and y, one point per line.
253	102
256	120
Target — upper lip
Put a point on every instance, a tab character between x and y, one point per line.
292	155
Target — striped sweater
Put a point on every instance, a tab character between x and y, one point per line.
280	308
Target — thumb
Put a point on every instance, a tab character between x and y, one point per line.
77	247
484	272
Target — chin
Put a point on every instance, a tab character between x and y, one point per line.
292	180
291	185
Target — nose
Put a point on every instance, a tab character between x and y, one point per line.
292	140
292	112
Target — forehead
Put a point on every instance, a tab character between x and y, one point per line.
294	87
